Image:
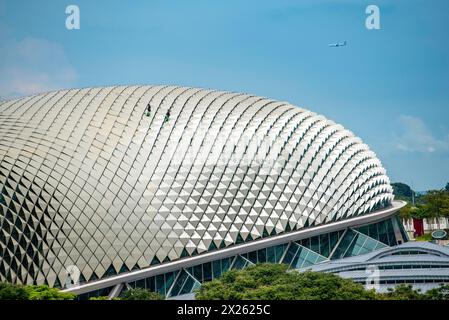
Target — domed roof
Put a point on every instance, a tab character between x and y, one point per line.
114	178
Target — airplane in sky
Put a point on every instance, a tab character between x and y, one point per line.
338	44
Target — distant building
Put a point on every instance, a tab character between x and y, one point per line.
423	265
417	227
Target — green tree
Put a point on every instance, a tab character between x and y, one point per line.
437	203
440	293
99	298
141	294
421	211
402	191
104	298
44	292
276	282
406	292
12	292
447	187
405	212
402	292
418	212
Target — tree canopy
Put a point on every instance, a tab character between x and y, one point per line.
276	282
134	294
12	292
437	203
406	292
402	190
41	292
433	204
265	281
141	294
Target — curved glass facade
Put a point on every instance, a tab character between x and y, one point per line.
297	254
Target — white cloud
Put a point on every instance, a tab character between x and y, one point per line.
33	65
414	136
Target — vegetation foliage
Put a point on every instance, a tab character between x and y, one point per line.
141	294
261	281
277	282
433	204
134	294
42	292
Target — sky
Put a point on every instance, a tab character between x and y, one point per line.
389	86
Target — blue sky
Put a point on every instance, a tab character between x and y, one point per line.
389	86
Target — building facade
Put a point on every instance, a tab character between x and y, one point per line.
132	182
423	265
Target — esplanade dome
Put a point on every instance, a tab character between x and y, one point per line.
115	179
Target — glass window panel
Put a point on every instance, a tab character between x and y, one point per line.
353	250
302	253
324	245
291	252
306	243
169	278
356	245
196	285
150	283
252	256
189	270
271	255
188	285
315	244
198	272
280	251
343	245
333	240
225	264
308	259
207	271
296	262
363	244
216	266
390	232
364	230
372	231
179	283
401	228
239	263
160	283
140	284
362	250
372	244
382	229
262	256
320	259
